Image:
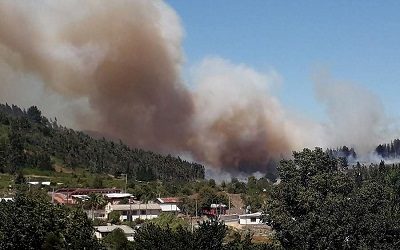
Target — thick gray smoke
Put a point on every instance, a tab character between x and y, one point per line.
114	67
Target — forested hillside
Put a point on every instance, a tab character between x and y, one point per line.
27	139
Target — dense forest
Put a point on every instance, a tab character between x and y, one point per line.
389	150
322	204
28	139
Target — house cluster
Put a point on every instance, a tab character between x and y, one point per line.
125	203
131	209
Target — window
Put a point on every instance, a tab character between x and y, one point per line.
134	212
253	219
143	212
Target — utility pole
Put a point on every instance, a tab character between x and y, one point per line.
130	209
196	208
229	204
126	181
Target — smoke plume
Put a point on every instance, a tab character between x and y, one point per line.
356	115
115	67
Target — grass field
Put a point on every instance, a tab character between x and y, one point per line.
62	178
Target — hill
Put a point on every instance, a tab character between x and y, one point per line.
28	139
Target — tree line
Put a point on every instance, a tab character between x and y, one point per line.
389	150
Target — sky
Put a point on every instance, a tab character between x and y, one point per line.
357	41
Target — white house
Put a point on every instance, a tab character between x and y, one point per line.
6	199
169	204
250	219
103	231
145	211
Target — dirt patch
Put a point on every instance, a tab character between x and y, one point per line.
60	169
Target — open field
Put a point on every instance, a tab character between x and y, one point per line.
62	178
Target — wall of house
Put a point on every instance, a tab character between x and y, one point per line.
140	214
250	221
98	235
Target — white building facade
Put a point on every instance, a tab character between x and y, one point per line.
146	211
250	219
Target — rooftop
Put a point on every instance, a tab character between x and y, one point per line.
243	216
72	191
110	228
169	200
118	195
218	205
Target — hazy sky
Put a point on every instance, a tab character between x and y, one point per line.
357	41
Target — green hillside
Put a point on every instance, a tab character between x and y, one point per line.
29	140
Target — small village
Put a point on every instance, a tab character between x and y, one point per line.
129	209
114	208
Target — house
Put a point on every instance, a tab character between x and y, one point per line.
43	183
97	214
134	211
215	210
103	231
74	195
117	198
169	204
250	219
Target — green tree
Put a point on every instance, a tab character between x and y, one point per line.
31	222
94	202
116	240
114	216
53	242
210	235
170	220
34	114
318	205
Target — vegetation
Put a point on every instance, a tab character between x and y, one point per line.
32	222
170	220
209	235
27	139
116	240
321	204
390	150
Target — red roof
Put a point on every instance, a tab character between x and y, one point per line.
169	200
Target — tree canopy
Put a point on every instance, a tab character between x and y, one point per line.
32	222
320	204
